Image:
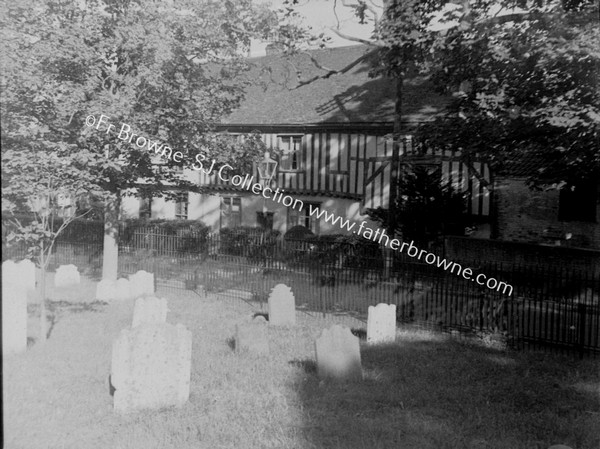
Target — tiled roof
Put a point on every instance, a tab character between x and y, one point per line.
275	96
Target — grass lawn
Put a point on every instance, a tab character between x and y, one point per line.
426	391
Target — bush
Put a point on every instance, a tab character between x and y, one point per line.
254	243
343	251
165	236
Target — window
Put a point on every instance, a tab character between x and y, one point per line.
146	207
231	212
578	203
303	217
291	153
181	206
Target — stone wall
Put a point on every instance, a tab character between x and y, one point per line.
470	249
525	215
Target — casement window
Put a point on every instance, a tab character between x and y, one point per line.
181	205
578	203
145	208
303	217
290	148
231	212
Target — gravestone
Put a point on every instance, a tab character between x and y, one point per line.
22	272
338	354
122	289
151	367
106	290
66	275
141	283
14	316
381	324
252	337
282	306
149	310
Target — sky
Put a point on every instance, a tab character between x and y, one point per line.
319	14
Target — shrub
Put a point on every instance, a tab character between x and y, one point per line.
254	243
165	236
343	251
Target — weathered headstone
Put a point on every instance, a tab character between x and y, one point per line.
381	323
338	354
149	310
151	367
252	337
559	446
282	306
22	272
106	290
66	275
141	283
14	316
122	289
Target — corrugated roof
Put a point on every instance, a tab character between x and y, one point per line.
275	97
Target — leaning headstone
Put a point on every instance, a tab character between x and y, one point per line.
338	354
122	289
282	306
381	323
141	283
149	310
14	317
106	290
66	275
252	337
151	367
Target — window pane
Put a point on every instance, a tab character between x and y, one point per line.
291	147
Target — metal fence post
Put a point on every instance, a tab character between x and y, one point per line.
581	309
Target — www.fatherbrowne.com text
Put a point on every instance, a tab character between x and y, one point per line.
278	196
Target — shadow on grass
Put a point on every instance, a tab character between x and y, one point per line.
440	394
231	343
55	310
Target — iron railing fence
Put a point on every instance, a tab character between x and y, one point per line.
557	308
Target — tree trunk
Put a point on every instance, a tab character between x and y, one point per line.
43	321
110	258
395	161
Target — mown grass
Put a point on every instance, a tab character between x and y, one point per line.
426	391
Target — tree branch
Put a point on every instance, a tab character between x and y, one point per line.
331	71
355	39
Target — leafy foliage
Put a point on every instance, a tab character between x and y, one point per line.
528	92
427	207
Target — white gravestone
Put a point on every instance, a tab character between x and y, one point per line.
149	310
141	283
14	316
106	290
151	367
338	354
381	324
282	306
66	275
22	272
122	289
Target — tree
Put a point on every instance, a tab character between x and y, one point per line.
530	92
50	185
525	74
427	207
92	74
